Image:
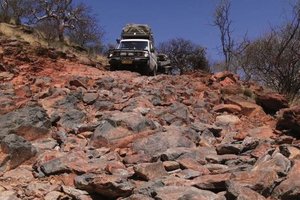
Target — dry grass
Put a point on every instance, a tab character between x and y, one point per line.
35	39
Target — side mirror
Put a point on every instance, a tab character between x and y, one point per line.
118	41
152	50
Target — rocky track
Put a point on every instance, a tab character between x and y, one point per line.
71	131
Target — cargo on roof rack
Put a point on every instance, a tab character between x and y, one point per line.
137	31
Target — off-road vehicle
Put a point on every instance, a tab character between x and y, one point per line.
135	50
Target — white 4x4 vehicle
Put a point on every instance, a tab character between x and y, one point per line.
135	50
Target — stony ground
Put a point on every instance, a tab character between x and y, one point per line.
71	131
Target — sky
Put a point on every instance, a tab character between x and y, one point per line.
190	19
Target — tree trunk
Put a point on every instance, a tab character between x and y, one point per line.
61	30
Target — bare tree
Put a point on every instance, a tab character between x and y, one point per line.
47	30
87	33
184	54
13	10
223	22
4	14
275	59
63	12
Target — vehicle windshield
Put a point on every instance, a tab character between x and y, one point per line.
137	45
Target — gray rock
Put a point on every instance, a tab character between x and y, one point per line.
18	150
172	154
229	149
118	125
199	154
71	119
182	192
158	143
103	105
277	162
176	114
106	83
138	197
188	174
236	191
289	188
261	181
110	186
73	192
90	98
29	122
132	121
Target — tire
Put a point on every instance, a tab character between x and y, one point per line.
113	68
152	72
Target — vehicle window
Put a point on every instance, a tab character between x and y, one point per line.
138	45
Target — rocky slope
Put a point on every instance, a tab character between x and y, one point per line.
72	131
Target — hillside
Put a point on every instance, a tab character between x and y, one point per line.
75	131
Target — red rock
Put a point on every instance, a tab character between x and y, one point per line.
22	174
261	181
271	102
110	186
137	158
220	76
232	89
227	82
189	163
289	119
250	109
40	188
77	83
289	188
235	191
9	195
264	132
182	192
260	150
277	162
230	108
150	171
171	165
215	182
227	120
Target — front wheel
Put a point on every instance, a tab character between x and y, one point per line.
153	72
147	71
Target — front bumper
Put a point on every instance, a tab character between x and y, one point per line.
125	61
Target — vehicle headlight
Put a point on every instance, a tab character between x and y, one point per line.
146	55
110	55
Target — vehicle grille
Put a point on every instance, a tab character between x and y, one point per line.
128	54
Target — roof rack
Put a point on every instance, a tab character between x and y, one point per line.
137	31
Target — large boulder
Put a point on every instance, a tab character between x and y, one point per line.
14	151
276	162
31	122
72	118
261	181
118	125
236	191
110	186
290	187
215	182
249	107
149	171
183	192
289	119
271	102
159	142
